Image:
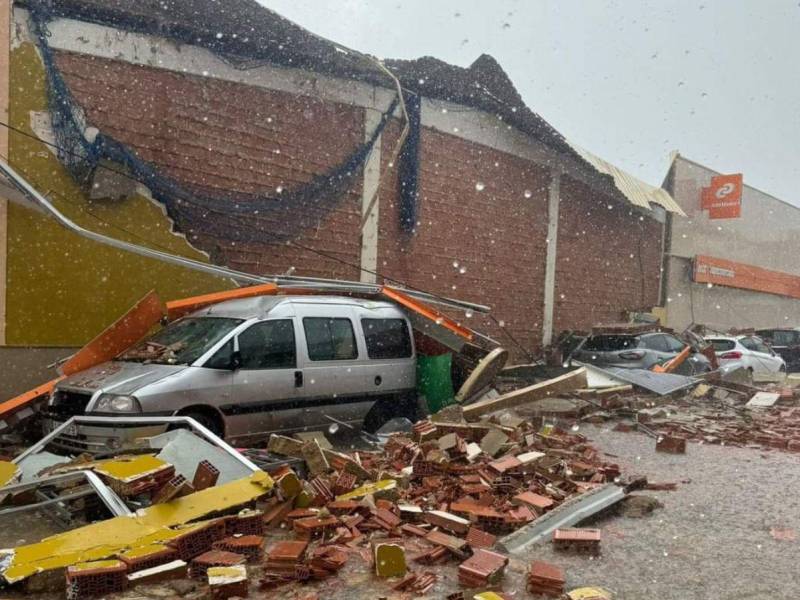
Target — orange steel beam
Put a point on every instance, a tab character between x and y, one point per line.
120	335
426	311
184	306
674	363
9	407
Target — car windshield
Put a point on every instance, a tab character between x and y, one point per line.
181	342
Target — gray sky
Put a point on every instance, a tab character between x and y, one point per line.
629	80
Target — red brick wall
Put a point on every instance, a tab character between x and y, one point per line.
496	234
218	136
598	270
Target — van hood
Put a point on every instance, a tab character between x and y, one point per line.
119	377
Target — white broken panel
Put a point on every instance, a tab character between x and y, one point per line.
763	400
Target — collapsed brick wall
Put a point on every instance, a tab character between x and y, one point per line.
608	259
478	207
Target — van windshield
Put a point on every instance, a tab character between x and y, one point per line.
181	342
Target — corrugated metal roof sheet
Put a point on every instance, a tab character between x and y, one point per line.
635	190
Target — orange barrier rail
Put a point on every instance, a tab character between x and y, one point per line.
673	363
9	407
184	306
119	336
426	311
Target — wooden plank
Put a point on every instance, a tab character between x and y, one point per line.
184	306
610	391
568	382
119	336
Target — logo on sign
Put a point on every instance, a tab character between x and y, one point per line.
725	190
723	198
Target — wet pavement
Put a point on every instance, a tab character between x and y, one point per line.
712	538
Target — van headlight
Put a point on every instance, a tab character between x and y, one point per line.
115	403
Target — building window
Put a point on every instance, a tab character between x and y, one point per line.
386	338
268	345
330	339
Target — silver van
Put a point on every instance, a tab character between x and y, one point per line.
247	367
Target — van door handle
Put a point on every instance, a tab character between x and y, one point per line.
298	379
378	380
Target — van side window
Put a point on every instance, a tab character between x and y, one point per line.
387	338
268	345
330	339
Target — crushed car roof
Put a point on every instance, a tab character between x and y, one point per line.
261	306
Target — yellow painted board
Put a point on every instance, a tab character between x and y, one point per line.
390	560
8	472
369	488
97	564
146	550
589	593
151	525
60	277
128	468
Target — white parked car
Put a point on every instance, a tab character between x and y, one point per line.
748	351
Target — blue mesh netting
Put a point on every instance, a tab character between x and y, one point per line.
230	216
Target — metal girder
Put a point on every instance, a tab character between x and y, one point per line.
113	502
198	429
570	513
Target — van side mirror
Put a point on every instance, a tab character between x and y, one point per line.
236	361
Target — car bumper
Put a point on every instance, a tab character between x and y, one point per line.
98	439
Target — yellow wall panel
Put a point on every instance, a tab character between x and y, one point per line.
63	289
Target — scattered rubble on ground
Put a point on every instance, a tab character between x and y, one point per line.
454	498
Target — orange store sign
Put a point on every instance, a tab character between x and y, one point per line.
720	271
723	198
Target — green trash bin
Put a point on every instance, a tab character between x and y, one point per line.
434	381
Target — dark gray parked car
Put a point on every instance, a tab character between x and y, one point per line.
638	351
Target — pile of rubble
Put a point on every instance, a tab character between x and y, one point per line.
725	413
445	492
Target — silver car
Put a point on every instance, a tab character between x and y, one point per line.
639	351
248	367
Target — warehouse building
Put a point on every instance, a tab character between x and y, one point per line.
732	262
